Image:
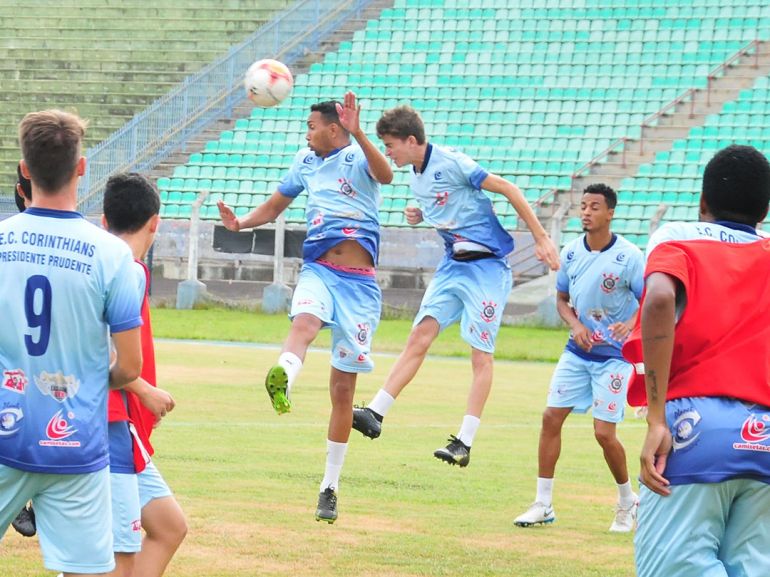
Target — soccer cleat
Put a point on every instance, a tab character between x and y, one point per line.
625	518
327	506
537	514
367	422
24	523
277	383
455	453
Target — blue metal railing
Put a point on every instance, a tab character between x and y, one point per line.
209	94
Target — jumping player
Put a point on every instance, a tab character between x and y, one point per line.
472	282
336	286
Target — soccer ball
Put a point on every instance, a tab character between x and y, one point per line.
268	82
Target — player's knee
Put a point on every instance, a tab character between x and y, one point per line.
306	325
552	421
605	436
421	338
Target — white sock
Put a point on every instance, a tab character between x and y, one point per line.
335	457
468	429
381	402
292	364
626	495
544	491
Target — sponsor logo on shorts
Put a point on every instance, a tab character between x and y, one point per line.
609	282
301	302
57	385
596	314
350	231
612	407
361	358
684	426
136	525
488	311
598	336
362	336
59	429
598	403
343	353
15	380
485	336
346	188
754	432
616	383
10	415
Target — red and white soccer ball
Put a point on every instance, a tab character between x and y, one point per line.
268	82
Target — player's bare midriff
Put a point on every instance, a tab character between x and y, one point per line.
348	253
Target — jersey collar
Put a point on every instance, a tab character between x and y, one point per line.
608	247
737	226
426	160
53	213
335	151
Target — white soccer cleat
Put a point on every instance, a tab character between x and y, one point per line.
537	514
625	519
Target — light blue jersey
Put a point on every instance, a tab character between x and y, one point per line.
448	190
723	231
343	199
65	284
604	288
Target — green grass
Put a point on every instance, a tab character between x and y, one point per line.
248	480
218	324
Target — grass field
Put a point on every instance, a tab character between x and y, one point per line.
248	479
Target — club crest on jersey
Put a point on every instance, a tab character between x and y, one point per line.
362	336
609	282
685	423
441	198
346	188
15	380
616	383
57	385
57	430
755	431
10	415
488	311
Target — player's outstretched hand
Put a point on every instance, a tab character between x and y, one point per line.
413	215
546	252
350	113
228	217
657	446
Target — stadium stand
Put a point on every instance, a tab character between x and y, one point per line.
108	59
532	90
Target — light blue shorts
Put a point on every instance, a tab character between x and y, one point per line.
126	513
151	485
705	530
473	292
349	304
582	384
73	515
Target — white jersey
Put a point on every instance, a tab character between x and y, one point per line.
721	230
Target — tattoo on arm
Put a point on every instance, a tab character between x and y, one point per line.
653	385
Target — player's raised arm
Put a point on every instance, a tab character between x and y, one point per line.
545	250
266	212
349	114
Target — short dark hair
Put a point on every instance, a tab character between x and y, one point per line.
130	200
736	185
51	142
401	122
610	197
328	110
26	189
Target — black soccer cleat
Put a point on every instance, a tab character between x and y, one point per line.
367	422
327	506
455	453
24	523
